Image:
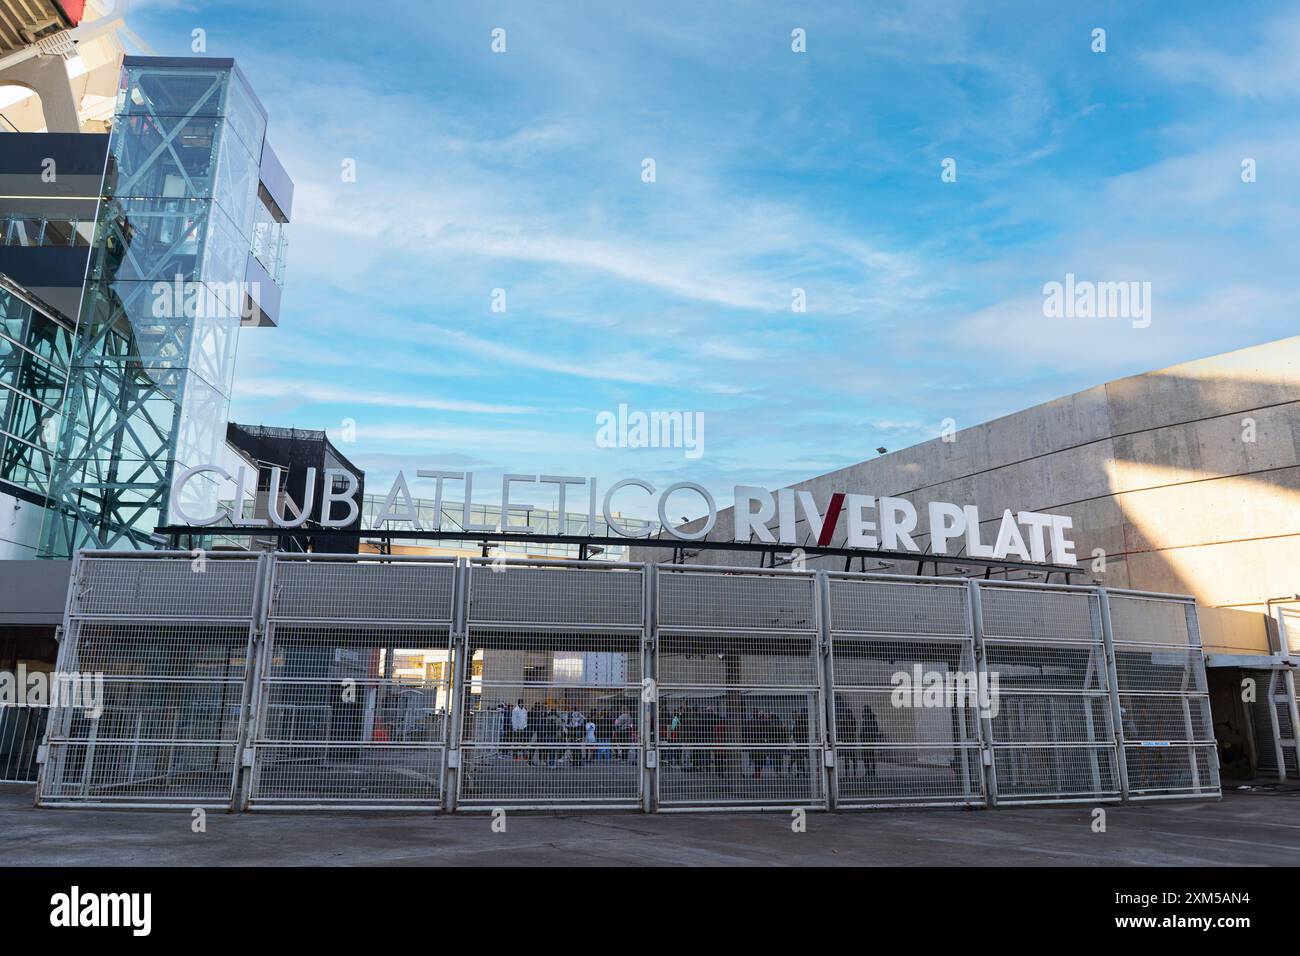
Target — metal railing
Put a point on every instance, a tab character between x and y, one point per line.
550	689
740	693
170	635
281	681
1164	704
353	683
892	643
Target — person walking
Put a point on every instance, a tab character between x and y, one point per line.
553	733
846	734
622	736
753	733
503	731
698	725
519	726
537	721
721	757
778	734
799	755
869	733
577	731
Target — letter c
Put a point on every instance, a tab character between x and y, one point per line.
179	485
614	525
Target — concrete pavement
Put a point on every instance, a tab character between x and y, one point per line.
1259	827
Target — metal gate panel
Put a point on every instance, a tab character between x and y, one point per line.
184	586
347	681
355	678
900	738
909	608
397	590
170	636
21	730
736	600
739	716
1053	733
1271	725
563	644
1168	735
506	593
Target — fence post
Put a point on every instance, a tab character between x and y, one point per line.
650	674
826	674
1196	654
67	636
1112	688
975	618
254	664
1288	688
459	645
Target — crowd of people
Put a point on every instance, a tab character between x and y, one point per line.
694	724
849	730
549	736
542	734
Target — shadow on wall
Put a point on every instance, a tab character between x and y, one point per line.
1209	507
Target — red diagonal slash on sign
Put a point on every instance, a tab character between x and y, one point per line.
832	516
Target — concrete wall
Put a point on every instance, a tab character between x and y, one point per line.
1188	478
33	593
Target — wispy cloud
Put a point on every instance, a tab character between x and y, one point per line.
1263	70
314	392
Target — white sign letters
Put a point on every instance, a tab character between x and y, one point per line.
848	520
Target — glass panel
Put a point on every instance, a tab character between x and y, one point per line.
170	156
172	91
153	356
245	118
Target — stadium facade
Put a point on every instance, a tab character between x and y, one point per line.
321	664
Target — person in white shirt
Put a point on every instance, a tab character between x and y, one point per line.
622	735
519	724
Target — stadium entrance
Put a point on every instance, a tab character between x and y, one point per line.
237	680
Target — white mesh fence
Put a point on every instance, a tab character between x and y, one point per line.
355	682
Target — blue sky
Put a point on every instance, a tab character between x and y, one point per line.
775	170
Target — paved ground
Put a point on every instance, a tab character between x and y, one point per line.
1259	827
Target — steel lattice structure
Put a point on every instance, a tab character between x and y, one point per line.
152	364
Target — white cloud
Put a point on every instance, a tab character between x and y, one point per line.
315	392
1264	71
